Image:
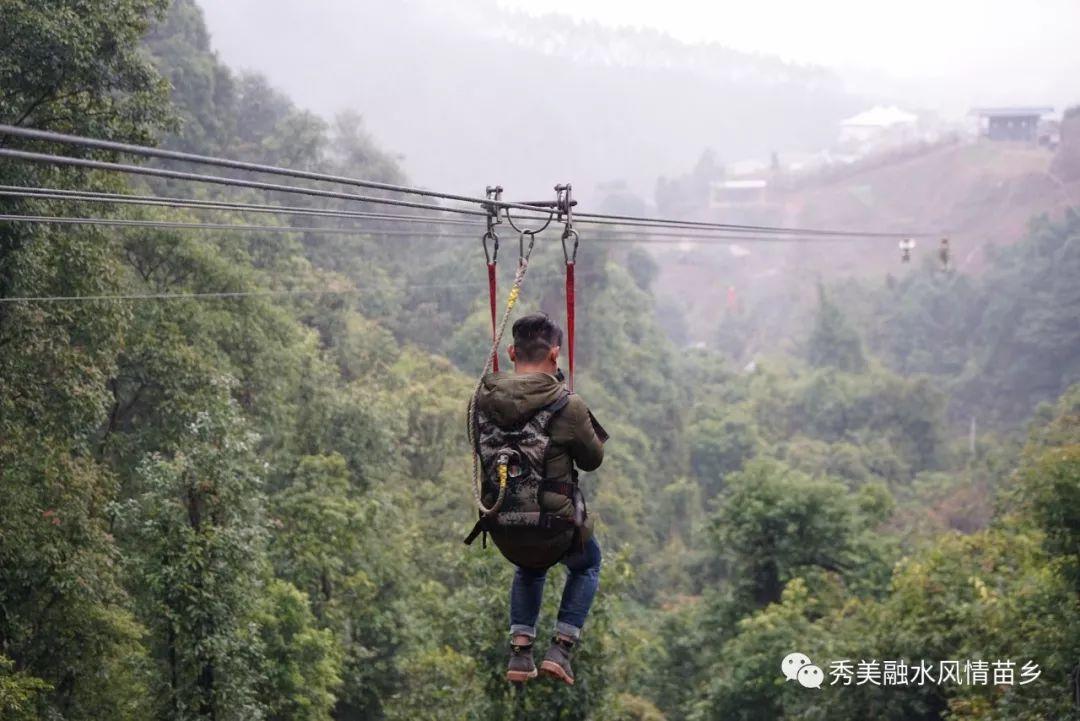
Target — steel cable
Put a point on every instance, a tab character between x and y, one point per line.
622	237
160	153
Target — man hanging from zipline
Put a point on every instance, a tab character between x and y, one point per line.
529	433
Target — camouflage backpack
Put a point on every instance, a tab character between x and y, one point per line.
522	531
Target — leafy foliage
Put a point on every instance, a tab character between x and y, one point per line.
252	507
833	342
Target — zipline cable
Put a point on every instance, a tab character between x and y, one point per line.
145	151
16	191
670	224
196	204
212	295
637	238
47	158
179	225
161	153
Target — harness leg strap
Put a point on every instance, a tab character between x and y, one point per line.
478	528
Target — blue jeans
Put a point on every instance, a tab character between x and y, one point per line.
527	591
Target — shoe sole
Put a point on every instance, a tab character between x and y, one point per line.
520	676
550	668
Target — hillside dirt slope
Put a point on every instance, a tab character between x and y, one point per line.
977	193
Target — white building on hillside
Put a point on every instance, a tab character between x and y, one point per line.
737	193
878	128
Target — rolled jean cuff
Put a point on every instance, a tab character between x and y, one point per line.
567	630
517	629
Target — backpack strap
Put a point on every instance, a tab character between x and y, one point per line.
559	403
533	519
545	415
563	488
481	526
526	519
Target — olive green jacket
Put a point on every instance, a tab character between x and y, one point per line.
509	398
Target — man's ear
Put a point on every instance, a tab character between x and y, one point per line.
512	352
553	354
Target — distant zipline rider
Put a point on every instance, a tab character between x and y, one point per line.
529	431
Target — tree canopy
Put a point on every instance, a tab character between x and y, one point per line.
252	507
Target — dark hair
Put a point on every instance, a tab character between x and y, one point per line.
534	335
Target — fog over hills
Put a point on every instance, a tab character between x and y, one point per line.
475	94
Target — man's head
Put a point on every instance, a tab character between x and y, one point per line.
537	339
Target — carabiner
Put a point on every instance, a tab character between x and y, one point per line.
521	244
491	257
569	257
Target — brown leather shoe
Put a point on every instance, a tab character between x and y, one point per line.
521	668
556	661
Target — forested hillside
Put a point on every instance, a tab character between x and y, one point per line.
252	506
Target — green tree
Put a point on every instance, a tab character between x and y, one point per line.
744	683
774	524
1049	484
302	664
200	531
833	342
326	545
721	446
75	68
65	618
19	692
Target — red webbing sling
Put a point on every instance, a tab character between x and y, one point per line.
571	258
492	258
492	296
570	323
493	192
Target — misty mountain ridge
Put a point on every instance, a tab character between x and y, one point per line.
590	42
527	102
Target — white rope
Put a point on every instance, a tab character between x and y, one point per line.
515	291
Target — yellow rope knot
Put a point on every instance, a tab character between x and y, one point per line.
502	475
514	293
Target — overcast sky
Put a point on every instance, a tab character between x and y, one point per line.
412	67
941	54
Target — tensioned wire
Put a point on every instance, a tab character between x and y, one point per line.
150	200
181	225
160	153
17	191
270	293
221	180
620	237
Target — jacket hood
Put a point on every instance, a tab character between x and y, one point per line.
509	398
